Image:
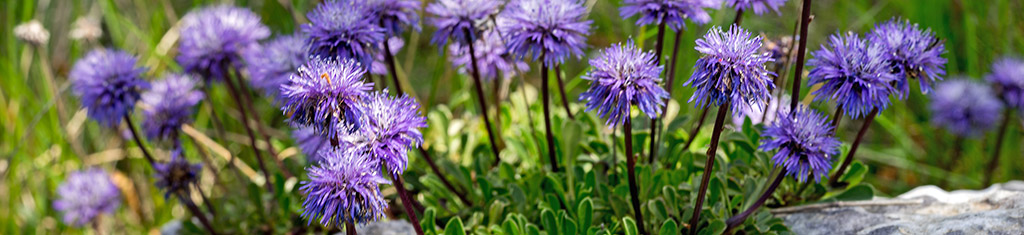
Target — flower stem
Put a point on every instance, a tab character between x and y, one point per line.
737	220
483	102
672	61
544	87
561	91
350	228
958	148
708	167
246	98
196	212
138	141
994	162
249	131
407	203
805	18
658	47
437	171
834	180
631	171
838	116
696	130
391	66
739	18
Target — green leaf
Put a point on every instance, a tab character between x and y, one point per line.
495	210
716	227
427	222
629	226
856	193
568	225
454	227
510	227
855	174
585	213
669	227
549	221
572	133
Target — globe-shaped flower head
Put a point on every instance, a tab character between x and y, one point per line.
731	70
345	187
177	175
454	18
343	30
965	108
673	12
759	6
552	29
324	95
624	76
171	103
84	195
389	129
272	65
1008	74
215	37
804	142
108	83
491	55
911	53
852	73
395	15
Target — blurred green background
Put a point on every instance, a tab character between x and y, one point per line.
42	138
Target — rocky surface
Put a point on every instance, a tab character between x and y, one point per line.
393	227
998	209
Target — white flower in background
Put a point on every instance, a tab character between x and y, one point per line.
32	32
86	28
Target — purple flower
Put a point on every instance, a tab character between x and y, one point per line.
731	70
624	76
491	55
805	144
215	37
1008	74
325	94
395	15
177	175
759	6
343	188
170	104
672	12
853	74
388	130
270	66
311	143
911	53
107	83
547	29
343	30
380	64
965	108
453	18
85	194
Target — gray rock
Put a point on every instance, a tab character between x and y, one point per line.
924	210
393	227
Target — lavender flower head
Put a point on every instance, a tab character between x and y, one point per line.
272	65
216	36
380	64
965	108
547	29
491	55
343	30
85	194
177	175
389	129
395	15
171	104
1008	74
311	143
453	18
108	82
672	12
623	76
805	144
324	94
343	188
759	6
853	74
731	70
911	53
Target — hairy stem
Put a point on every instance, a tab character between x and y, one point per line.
853	148
631	171
709	165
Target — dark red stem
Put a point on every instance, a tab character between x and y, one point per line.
708	167
805	18
853	148
483	102
631	171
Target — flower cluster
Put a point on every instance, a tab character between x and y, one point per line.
177	175
804	142
455	18
549	30
759	6
671	12
343	30
965	108
272	65
85	194
215	37
911	53
389	129
324	95
345	187
491	55
1008	74
170	103
394	15
624	76
853	74
108	83
731	70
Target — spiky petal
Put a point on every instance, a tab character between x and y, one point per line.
673	12
731	70
964	107
1008	74
108	83
343	30
395	15
389	129
552	29
171	103
804	142
86	194
911	53
852	73
215	37
624	76
325	94
345	187
453	18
